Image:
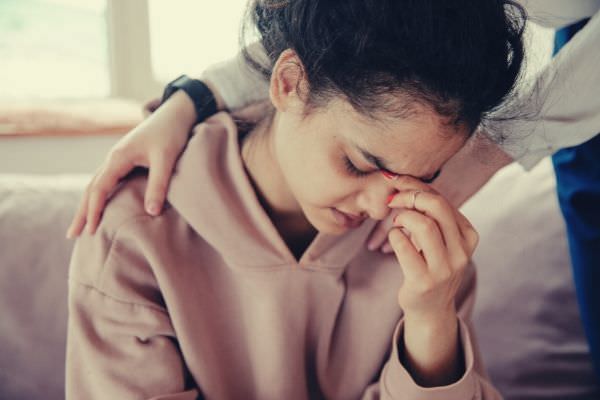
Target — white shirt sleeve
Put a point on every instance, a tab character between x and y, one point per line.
237	83
564	102
559	13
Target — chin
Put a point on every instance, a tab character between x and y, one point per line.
333	230
327	226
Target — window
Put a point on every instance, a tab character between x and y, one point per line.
187	36
53	49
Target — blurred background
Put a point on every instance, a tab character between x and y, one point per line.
74	73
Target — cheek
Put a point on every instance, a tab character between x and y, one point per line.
325	179
315	172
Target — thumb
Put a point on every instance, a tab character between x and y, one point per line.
379	236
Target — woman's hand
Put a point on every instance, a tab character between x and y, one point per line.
475	164
433	243
155	144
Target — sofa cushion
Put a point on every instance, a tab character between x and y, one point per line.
526	314
34	258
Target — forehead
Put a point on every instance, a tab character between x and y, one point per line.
417	145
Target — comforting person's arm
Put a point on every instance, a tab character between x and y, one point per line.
236	82
470	169
121	344
562	107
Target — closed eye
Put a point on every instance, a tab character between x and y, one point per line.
353	170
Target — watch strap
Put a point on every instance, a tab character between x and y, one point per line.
204	101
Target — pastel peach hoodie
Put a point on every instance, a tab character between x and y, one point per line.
206	301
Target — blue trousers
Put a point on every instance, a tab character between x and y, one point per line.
578	185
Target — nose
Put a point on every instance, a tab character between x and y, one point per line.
373	200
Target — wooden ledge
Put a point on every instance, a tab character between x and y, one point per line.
110	116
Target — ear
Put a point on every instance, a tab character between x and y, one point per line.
288	82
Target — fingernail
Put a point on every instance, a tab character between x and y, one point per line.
372	246
152	208
389	175
387	248
390	198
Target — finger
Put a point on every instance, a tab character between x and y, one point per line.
412	264
405	182
96	204
378	238
160	172
387	247
105	183
428	237
468	231
436	207
78	222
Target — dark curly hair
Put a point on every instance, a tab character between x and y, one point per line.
462	58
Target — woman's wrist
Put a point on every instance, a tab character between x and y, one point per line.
431	350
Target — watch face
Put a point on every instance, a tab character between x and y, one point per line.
174	86
181	81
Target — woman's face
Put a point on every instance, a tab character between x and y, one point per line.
332	160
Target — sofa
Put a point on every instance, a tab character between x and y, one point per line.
526	316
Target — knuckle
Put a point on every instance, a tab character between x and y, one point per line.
443	274
426	286
429	226
461	261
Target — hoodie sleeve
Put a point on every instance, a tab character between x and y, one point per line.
396	383
118	346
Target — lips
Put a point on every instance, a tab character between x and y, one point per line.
351	216
347	220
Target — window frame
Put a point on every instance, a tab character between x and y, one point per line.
128	45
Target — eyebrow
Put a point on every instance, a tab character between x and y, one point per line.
382	165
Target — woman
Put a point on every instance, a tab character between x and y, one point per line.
254	282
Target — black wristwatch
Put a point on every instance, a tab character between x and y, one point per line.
204	101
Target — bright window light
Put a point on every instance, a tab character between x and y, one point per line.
189	35
53	49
